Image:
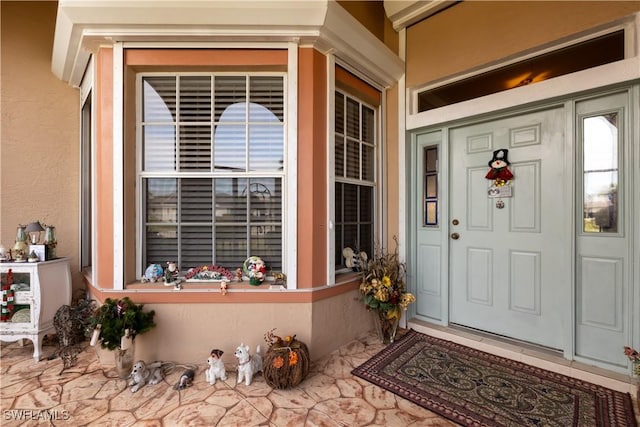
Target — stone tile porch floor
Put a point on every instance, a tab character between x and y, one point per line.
90	394
93	395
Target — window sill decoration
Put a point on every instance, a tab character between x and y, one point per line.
208	273
383	291
254	268
354	259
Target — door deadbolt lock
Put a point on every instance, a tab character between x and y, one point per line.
455	222
455	236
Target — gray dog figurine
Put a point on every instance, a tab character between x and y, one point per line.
185	380
143	374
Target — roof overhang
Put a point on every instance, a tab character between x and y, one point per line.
403	13
82	26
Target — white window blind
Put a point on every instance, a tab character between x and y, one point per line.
212	169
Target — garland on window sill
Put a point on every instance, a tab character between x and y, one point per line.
208	273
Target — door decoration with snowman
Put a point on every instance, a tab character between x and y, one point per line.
501	177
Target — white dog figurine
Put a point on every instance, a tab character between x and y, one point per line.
142	374
216	367
248	365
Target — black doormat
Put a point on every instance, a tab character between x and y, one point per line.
474	388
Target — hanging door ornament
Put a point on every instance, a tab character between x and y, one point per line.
501	176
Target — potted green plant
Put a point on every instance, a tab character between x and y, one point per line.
115	324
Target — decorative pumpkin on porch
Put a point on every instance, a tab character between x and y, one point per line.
286	362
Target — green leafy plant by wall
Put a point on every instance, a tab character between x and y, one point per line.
115	317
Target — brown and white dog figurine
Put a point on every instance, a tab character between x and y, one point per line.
142	374
248	365
216	367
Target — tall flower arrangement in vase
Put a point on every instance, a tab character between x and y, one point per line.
634	357
383	290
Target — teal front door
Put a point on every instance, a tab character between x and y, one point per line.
509	256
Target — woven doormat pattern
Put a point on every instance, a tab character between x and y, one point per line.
474	388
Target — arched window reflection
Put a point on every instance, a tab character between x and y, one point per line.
159	130
265	142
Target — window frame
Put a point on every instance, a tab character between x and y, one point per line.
141	175
86	249
619	171
427	173
334	179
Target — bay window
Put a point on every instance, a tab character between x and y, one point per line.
211	168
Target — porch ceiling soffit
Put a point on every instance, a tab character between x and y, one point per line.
84	25
404	13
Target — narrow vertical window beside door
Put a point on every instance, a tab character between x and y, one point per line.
430	185
600	167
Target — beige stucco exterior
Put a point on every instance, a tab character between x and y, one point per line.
188	332
39	143
474	34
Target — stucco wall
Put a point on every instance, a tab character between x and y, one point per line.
474	33
39	149
186	333
338	320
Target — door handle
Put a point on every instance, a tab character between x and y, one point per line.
455	236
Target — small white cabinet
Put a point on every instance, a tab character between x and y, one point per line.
40	289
